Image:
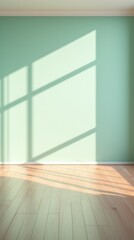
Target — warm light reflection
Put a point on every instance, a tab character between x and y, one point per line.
64	60
89	179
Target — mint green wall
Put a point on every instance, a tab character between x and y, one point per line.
131	109
66	89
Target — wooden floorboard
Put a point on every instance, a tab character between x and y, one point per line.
15	227
52	229
65	221
66	202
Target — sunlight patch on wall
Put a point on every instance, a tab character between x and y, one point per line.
64	112
0	139
0	92
51	117
15	134
1	145
81	151
15	85
64	60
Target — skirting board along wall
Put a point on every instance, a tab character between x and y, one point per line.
70	163
66	89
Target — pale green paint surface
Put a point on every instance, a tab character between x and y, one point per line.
66	89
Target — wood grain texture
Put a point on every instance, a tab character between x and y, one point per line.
93	233
66	202
65	224
52	228
79	228
15	227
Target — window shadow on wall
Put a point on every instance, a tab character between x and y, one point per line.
58	100
48	84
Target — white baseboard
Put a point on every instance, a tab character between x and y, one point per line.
70	163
